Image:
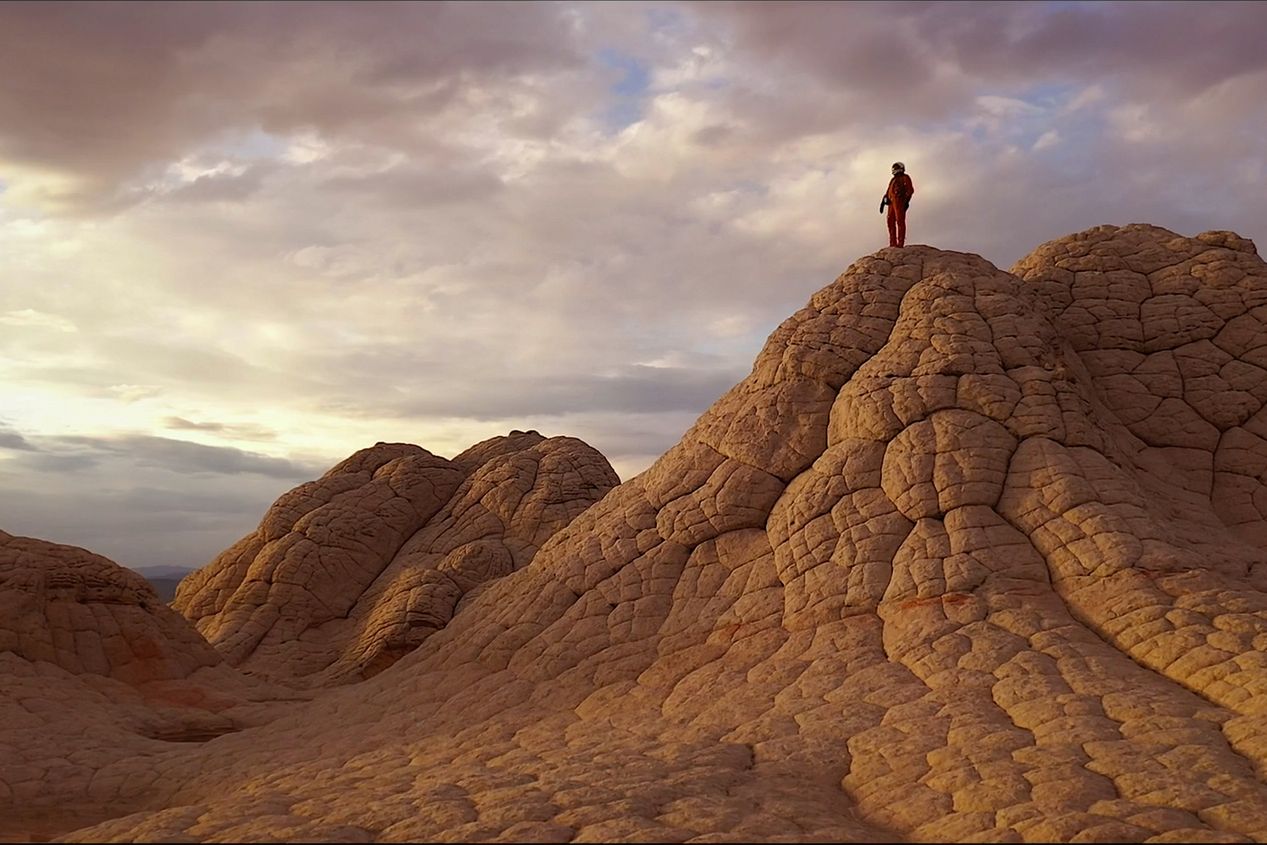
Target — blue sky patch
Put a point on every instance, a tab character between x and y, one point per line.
629	91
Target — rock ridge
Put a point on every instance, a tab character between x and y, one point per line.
348	572
970	555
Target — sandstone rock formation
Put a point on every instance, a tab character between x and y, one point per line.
970	556
95	673
85	614
347	573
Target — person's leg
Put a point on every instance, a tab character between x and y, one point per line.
892	226
901	226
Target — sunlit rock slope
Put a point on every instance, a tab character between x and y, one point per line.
347	573
970	556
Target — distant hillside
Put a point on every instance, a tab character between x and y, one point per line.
164	579
164	585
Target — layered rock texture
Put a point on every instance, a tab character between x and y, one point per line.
73	609
970	555
347	573
95	673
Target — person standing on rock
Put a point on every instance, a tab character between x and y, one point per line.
898	199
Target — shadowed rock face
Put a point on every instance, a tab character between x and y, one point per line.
347	573
969	556
95	674
85	614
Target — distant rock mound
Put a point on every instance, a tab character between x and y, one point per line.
347	573
77	610
96	675
970	556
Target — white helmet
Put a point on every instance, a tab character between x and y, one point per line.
898	167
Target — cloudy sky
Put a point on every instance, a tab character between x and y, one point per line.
239	242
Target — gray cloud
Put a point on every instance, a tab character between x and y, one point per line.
117	365
437	183
146	525
10	439
331	224
223	187
149	83
185	457
236	430
895	57
1157	45
635	389
391	75
69	453
188	425
143	500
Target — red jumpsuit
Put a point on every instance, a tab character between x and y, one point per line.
901	189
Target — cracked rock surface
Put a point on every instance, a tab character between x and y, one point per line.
347	573
970	556
96	674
